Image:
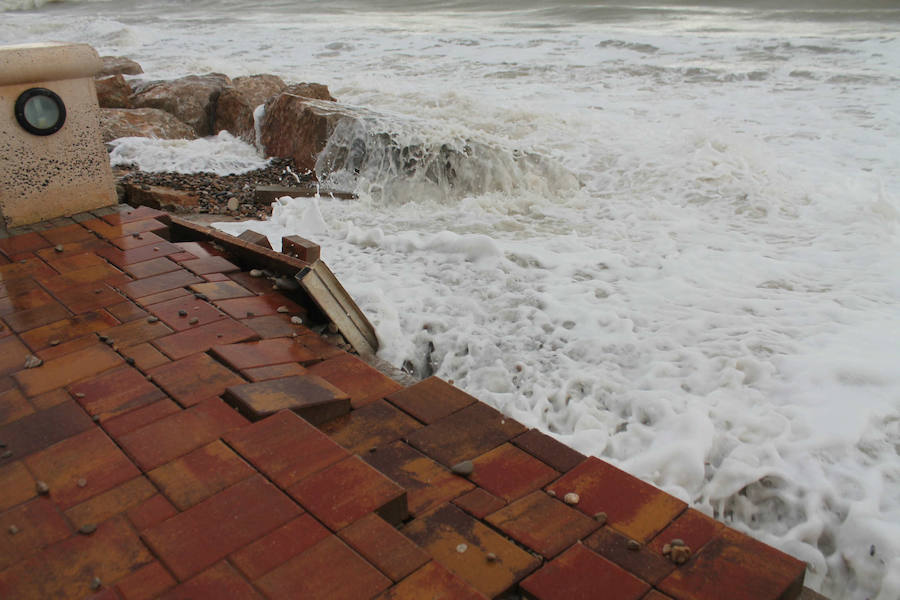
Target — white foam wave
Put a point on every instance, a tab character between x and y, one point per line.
222	154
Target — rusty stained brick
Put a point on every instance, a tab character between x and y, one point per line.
193	540
13	406
42	429
510	473
465	434
285	448
203	337
115	392
542	523
644	563
479	503
393	553
692	527
348	490
219	582
580	573
198	475
432	581
17	485
327	570
194	379
548	450
276	548
91	456
372	425
633	507
431	399
462	544
747	568
65	569
363	383
38	522
110	503
427	483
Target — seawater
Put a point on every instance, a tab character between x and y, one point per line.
667	235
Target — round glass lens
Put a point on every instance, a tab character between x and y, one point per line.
41	112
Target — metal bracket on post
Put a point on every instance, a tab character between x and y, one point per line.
324	288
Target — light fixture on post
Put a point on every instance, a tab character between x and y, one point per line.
40	111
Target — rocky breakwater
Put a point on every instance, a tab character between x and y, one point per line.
290	133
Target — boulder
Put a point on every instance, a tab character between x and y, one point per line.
294	127
113	92
234	110
142	122
192	99
118	65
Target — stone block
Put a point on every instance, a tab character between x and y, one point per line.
255	238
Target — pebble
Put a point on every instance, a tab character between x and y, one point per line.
677	542
82	482
136	235
218	335
96	583
98	291
634	545
296	320
42	488
666	549
551	493
193	321
601	518
679	554
233	204
152	319
283	309
491	557
250	313
58	248
200	296
79	394
109	341
182	313
6	454
95	418
463	468
129	360
256	273
87	529
54	342
571	498
332	328
102	338
13	530
32	361
462	548
287	284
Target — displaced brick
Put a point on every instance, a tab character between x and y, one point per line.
363	383
273	372
311	397
285	447
390	551
208	532
431	399
348	490
427	483
372	425
262	353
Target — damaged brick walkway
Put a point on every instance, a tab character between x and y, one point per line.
183	437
